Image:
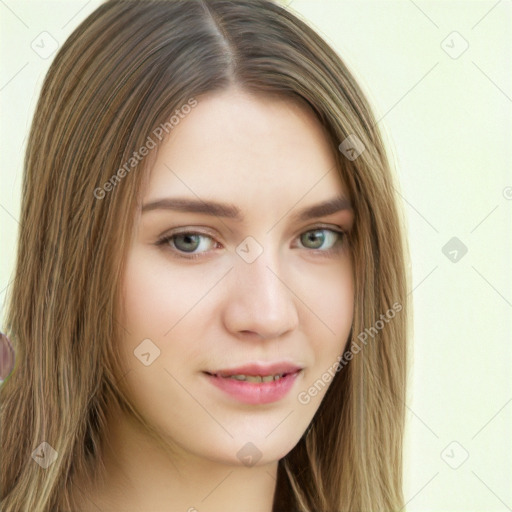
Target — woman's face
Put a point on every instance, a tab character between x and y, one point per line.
254	288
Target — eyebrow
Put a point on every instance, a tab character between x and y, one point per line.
230	211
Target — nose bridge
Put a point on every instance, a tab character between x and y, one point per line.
261	277
259	298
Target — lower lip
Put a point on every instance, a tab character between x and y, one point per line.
255	392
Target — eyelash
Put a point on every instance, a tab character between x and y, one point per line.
164	240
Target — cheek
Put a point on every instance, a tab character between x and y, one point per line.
327	335
330	297
332	306
156	296
338	305
158	301
165	304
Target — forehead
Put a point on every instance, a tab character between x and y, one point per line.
241	148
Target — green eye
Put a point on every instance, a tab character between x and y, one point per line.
186	244
315	238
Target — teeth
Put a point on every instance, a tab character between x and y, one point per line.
253	378
256	378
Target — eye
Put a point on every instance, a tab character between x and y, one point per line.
188	244
318	237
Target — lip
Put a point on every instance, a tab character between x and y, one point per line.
256	392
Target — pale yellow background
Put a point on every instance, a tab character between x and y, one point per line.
448	124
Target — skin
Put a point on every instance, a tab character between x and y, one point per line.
269	157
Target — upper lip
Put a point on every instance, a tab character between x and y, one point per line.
256	369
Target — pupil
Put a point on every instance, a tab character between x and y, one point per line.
316	236
189	239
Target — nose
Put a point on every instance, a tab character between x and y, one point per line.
260	303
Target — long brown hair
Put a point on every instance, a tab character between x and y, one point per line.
121	74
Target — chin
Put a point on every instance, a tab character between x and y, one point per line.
248	450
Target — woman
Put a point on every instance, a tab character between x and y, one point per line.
209	305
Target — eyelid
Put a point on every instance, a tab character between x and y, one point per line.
203	230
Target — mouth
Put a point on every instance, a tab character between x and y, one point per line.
253	378
255	383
